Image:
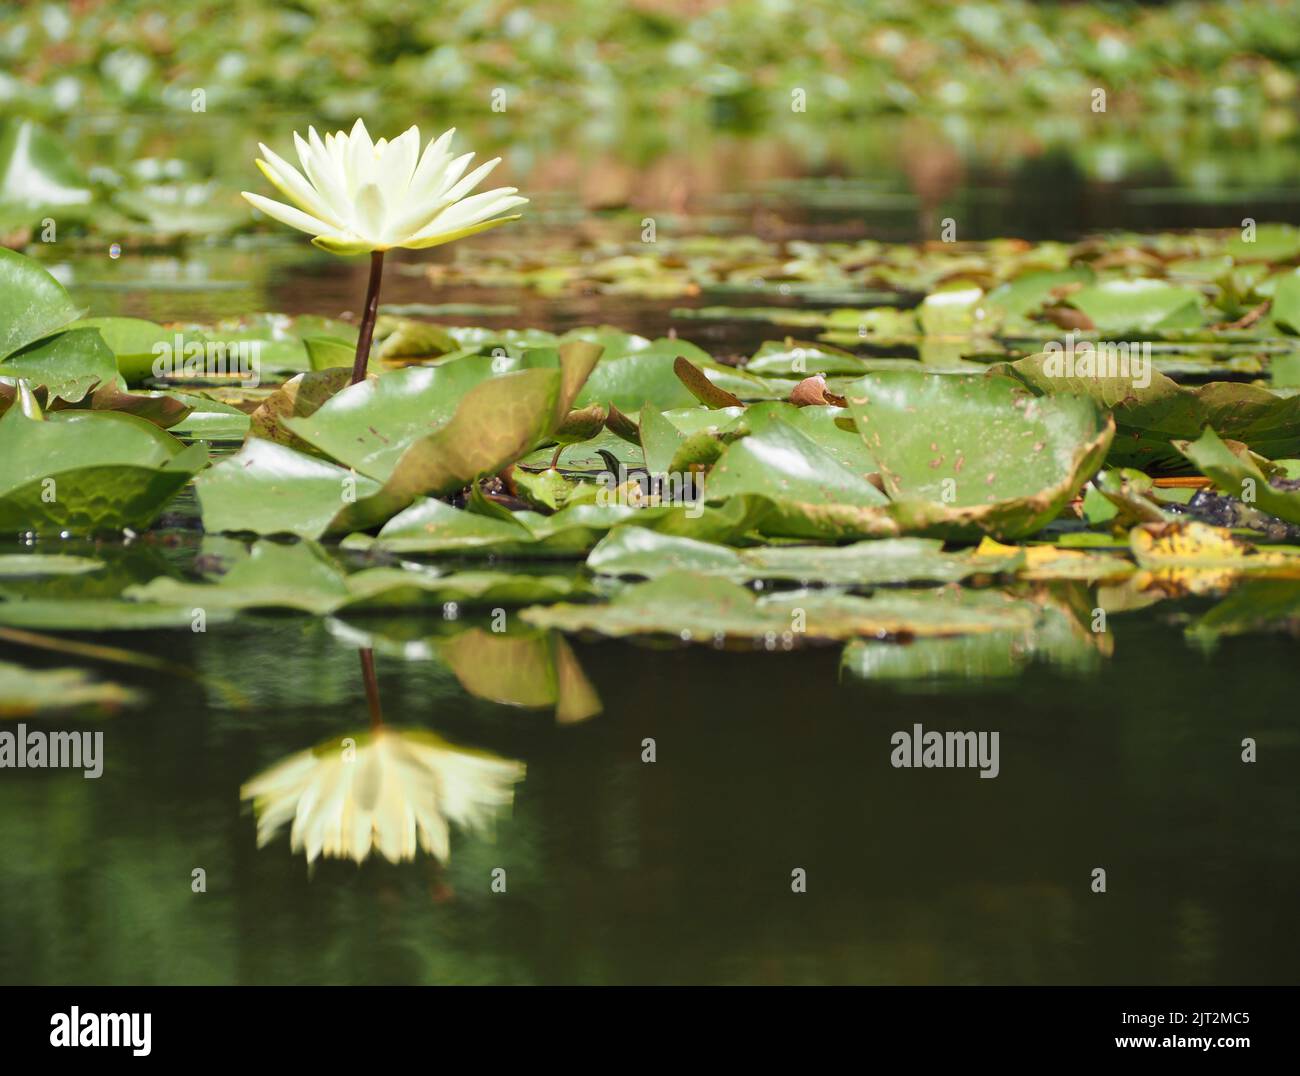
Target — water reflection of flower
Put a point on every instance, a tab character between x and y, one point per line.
388	789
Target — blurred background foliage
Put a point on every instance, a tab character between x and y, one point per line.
131	116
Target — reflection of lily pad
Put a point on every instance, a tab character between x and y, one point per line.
24	692
1048	633
534	670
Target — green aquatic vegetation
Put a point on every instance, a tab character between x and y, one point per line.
647	554
534	670
1256	607
432	526
1150	418
383	442
706	609
1051	633
303	577
1238	475
87	471
988	456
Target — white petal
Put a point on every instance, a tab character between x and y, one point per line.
398	165
452	173
472	210
286	214
370	213
471	181
428	173
290	182
324	177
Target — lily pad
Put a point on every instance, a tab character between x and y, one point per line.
961	454
1149	418
33	305
67	365
304	577
704	609
268	488
1239	476
88	471
1141	306
17	565
636	551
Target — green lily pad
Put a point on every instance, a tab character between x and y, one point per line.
434	429
29	564
99	614
797	359
1238	476
431	526
704	609
38	175
960	454
88	471
67	365
790	469
268	488
636	551
1148	419
1140	305
33	305
304	577
135	343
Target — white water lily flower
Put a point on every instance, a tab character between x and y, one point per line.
356	196
389	789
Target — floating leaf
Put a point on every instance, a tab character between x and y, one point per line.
1238	476
25	564
67	365
1141	306
1149	418
33	305
705	609
303	577
636	551
267	488
88	471
960	454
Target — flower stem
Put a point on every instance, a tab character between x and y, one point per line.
372	687
368	319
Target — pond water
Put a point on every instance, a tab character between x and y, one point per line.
621	870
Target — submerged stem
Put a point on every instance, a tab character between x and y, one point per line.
368	319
